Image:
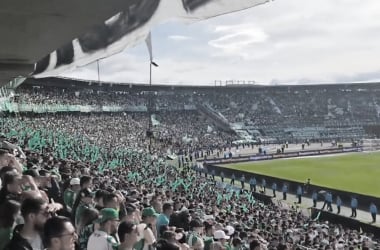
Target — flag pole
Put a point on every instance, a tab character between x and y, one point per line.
97	63
150	73
148	42
150	107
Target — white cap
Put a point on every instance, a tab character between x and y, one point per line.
74	181
219	234
230	230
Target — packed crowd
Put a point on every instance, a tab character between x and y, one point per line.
326	112
265	106
52	95
175	132
89	182
41	95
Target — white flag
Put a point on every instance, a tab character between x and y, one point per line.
148	42
130	27
209	129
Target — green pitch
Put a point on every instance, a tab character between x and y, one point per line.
355	172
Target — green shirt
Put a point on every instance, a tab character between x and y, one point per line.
84	235
208	242
193	238
69	197
78	213
5	236
228	247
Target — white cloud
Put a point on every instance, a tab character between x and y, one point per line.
236	39
293	41
179	38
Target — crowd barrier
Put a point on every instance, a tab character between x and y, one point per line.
262	157
216	166
14	107
345	221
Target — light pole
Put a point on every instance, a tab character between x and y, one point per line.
150	105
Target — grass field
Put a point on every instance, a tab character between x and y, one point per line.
355	172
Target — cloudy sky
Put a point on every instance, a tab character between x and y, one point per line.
281	42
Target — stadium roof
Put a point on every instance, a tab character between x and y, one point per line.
32	29
61	82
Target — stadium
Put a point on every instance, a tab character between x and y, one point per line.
93	164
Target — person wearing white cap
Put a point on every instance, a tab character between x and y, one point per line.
71	192
230	230
220	236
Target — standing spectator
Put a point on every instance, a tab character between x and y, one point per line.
252	184
85	182
338	204
128	235
222	176
99	197
354	206
87	225
213	174
70	193
299	194
147	229
232	179
84	200
11	186
236	243
28	236
329	199
59	234
102	238
208	238
274	188
328	202
163	218
373	211
307	186
264	185
8	214
242	180
220	236
194	239
284	191
131	213
314	197
156	203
